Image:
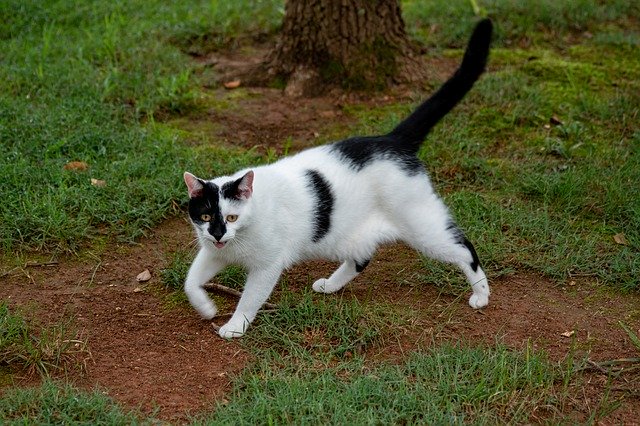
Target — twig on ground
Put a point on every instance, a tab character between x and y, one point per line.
29	265
261	311
614	366
4	274
233	292
36	264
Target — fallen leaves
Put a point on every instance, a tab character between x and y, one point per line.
621	239
233	84
555	120
76	166
98	182
568	333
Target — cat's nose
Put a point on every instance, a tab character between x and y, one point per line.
217	229
217	235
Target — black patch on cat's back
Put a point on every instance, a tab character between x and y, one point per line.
359	152
324	203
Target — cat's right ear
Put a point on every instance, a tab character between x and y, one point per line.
194	185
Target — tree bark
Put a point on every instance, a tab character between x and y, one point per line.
357	44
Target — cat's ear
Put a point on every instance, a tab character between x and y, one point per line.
245	186
194	185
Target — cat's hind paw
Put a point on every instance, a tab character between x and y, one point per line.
477	300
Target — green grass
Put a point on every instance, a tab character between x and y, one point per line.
84	81
174	273
450	384
309	327
55	403
443	23
28	347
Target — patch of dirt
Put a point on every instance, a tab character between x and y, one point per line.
266	120
283	120
147	352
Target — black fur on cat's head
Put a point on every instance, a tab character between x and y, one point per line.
218	209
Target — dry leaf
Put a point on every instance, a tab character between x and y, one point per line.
76	166
555	120
234	84
98	182
568	333
143	276
137	290
620	239
327	114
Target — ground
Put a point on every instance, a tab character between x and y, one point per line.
148	352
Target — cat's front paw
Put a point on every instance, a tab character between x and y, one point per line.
233	329
323	285
207	311
320	285
477	300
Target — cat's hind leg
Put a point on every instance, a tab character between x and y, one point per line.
438	237
475	276
345	273
463	255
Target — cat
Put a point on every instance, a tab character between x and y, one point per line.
337	202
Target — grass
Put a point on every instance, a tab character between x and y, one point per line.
31	348
313	328
442	23
57	403
85	81
450	384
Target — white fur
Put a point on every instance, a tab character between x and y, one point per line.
378	204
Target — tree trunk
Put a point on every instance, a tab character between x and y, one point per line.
357	44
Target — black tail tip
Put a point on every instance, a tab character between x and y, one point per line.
483	29
475	56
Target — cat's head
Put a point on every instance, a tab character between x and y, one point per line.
219	208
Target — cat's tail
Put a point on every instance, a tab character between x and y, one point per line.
413	130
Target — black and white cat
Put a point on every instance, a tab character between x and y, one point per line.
336	202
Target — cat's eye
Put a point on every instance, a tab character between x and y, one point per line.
205	217
232	217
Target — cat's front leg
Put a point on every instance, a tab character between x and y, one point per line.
257	290
203	268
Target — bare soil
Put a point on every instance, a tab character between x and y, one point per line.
148	353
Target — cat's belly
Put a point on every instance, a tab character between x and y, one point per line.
356	243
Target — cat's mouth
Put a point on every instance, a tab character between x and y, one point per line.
219	244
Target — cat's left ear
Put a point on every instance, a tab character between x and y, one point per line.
245	186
